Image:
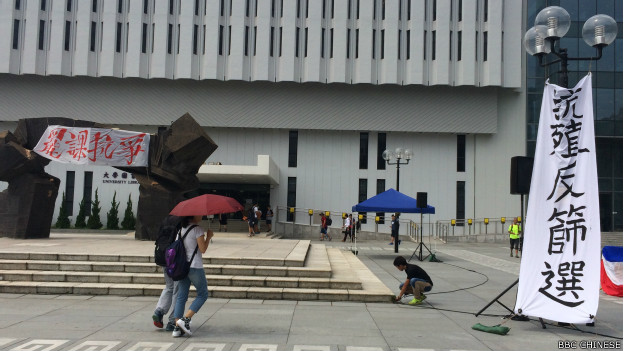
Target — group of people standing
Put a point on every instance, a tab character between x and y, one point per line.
348	227
253	218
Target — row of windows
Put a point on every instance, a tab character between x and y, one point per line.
250	40
293	139
251	34
43	5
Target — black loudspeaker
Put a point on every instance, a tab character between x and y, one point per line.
421	200
520	177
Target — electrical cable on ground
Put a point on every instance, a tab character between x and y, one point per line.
573	327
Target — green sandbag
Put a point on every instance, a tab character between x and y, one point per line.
497	329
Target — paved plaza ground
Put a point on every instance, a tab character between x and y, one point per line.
470	276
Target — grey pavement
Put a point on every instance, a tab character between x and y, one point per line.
470	276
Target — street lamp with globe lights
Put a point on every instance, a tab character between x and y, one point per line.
400	155
552	23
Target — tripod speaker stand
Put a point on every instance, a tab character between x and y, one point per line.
421	203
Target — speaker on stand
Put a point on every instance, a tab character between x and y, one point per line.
421	203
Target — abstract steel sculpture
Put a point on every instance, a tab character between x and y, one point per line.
27	205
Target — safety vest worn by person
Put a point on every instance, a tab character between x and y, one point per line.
515	231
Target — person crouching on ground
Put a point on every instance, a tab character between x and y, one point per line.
417	279
197	276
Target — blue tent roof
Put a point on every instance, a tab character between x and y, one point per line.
391	201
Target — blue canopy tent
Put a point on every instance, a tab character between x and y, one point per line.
391	201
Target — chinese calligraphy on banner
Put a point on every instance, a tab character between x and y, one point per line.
560	269
94	146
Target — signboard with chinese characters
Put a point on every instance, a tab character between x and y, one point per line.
560	269
94	146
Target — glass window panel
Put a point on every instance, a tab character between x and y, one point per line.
604	128
572	44
530	148
607	62
605	104
618	128
606	7
587	9
604	157
572	7
534	105
532	131
535	85
618	55
605	184
533	67
617	157
617	104
605	80
618	11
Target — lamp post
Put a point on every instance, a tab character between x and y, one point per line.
552	23
398	154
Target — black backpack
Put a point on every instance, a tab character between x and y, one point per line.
328	221
166	235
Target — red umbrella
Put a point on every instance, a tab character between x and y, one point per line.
206	205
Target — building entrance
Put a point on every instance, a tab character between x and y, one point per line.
245	194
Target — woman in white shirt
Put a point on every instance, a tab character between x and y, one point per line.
196	276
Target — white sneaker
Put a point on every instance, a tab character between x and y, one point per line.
185	324
177	332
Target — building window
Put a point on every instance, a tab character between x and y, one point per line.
69	5
195	39
407	49
364	150
94	5
43	5
272	41
461	202
381	187
297	42
485	10
293	137
70	178
331	39
169	38
291	198
119	6
381	147
144	39
67	34
451	46
18	4
435	13
41	34
362	196
118	39
459	45
86	194
459	10
145	6
485	44
348	41
383	43
322	42
461	153
170	7
433	45
92	36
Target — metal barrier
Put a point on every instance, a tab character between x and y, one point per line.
469	227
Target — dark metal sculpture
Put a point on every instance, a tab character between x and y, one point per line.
27	205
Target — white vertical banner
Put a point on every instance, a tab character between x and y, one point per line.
560	268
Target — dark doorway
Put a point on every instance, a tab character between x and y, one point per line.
606	212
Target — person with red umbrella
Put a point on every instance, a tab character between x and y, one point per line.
196	243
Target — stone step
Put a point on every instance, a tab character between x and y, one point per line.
139	267
157	278
228	292
295	259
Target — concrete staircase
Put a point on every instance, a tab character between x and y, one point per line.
301	272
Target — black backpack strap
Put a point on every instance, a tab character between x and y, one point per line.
185	234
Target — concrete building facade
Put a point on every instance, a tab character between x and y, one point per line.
314	89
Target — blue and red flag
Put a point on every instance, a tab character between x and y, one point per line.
611	270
